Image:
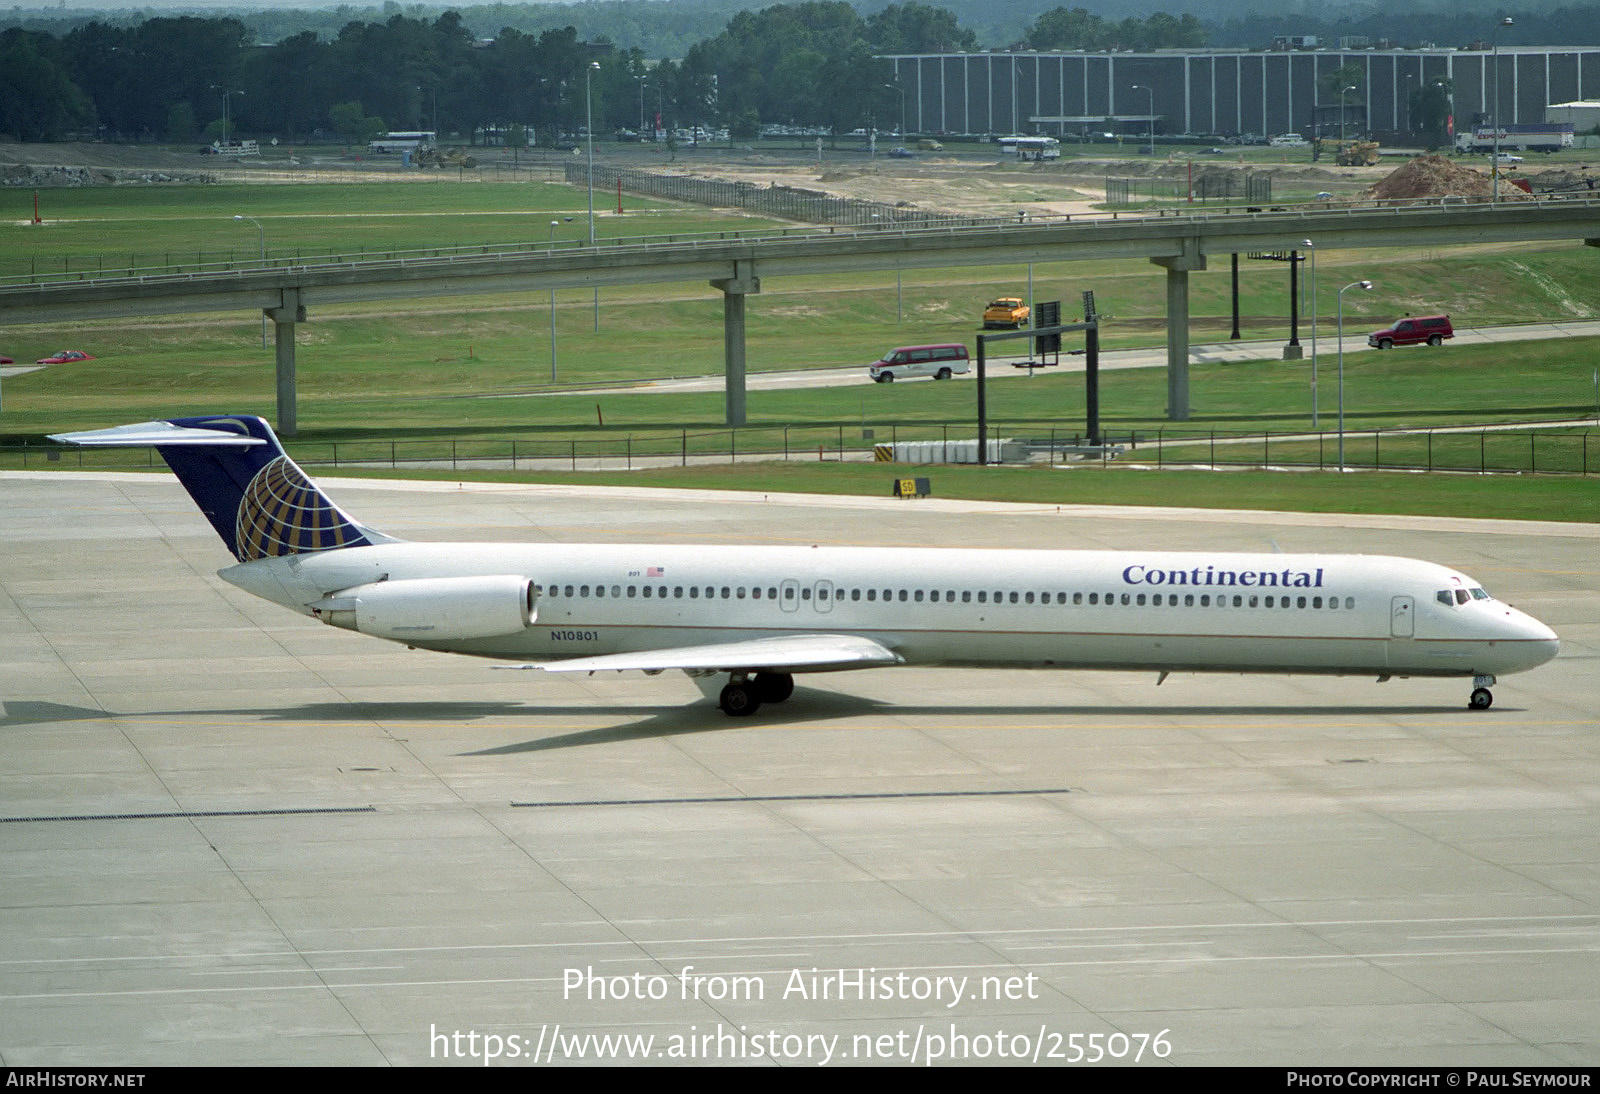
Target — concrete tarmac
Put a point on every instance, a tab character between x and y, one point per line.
231	835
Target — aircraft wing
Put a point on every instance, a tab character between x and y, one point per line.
786	653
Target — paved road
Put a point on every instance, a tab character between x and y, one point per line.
1154	357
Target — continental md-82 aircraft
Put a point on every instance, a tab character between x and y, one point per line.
748	619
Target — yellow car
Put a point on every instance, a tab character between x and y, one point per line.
1007	313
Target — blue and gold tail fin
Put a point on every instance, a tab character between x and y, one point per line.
254	495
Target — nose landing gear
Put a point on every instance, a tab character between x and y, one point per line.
1481	698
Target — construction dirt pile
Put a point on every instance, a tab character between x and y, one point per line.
1437	177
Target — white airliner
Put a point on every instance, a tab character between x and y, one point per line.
760	615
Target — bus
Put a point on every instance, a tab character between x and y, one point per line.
405	141
1031	148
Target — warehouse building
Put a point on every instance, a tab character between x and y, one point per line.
1230	92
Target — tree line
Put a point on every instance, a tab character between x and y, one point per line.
803	64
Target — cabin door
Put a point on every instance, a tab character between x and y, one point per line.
1401	619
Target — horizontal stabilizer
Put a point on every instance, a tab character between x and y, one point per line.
788	653
146	434
254	495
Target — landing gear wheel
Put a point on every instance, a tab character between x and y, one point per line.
739	700
1480	700
774	687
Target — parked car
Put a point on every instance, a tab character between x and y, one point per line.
1006	313
1504	159
64	356
1413	330
902	154
941	362
4	360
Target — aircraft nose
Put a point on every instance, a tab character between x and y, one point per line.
1541	642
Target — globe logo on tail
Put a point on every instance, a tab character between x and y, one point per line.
282	513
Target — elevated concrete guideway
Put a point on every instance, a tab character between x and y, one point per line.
1180	244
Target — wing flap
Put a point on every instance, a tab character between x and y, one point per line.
789	653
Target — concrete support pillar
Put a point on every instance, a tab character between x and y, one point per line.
284	317
1178	268
734	289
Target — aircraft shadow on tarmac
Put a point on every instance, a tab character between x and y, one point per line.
806	706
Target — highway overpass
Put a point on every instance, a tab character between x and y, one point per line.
734	265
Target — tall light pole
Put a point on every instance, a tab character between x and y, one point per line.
1342	104
261	241
1495	169
642	81
1312	247
226	95
553	309
1151	148
1449	96
588	117
434	91
1365	285
897	89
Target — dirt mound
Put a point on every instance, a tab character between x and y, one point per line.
1437	177
33	176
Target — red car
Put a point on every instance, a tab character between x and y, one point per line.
64	356
4	360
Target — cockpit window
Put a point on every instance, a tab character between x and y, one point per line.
1461	596
1479	594
1445	597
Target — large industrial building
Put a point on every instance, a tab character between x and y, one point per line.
1230	92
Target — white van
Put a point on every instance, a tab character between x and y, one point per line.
941	362
1288	140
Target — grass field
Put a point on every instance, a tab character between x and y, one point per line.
419	370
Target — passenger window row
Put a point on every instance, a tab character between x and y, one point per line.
950	596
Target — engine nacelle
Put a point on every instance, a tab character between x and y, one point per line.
432	608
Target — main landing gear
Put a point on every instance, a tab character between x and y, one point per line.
745	693
1482	698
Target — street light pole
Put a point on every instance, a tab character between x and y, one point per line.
1495	168
553	309
901	92
261	241
1312	247
1366	285
588	117
1342	105
1151	147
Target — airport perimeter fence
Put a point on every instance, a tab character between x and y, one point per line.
1574	451
1207	184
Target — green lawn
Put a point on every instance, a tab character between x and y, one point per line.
419	371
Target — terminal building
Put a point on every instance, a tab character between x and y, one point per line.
1227	93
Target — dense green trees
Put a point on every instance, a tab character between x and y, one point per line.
1078	28
38	99
808	63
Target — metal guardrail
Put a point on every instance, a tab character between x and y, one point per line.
794	237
